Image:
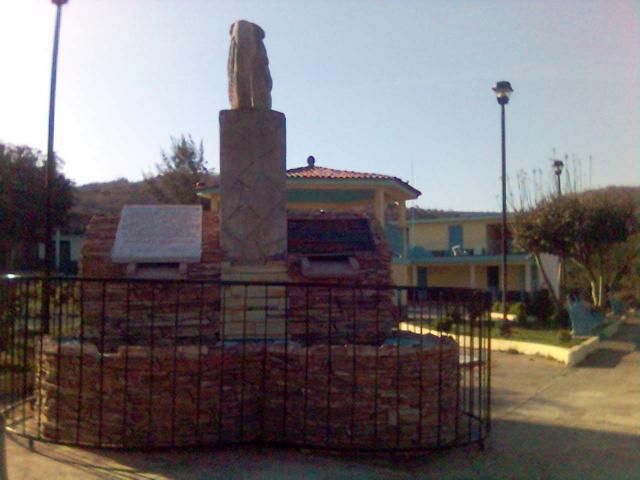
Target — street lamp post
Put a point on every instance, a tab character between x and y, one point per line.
558	165
50	168
503	90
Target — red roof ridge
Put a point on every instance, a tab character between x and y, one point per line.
315	171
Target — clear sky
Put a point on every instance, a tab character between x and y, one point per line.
397	87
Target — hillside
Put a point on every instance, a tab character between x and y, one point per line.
107	197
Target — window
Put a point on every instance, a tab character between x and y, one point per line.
422	277
455	236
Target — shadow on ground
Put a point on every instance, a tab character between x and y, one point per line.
604	358
517	450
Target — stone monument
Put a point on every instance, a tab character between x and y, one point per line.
253	219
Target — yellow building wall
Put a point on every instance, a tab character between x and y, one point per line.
513	277
435	236
431	236
459	276
474	235
448	276
481	276
400	275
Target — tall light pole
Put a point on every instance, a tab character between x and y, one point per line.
558	165
503	90
50	168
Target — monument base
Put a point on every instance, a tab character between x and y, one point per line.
253	312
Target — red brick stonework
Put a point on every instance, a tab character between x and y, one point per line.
139	311
339	396
360	315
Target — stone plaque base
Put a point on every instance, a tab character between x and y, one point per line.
253	312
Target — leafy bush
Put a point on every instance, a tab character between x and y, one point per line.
561	318
564	336
454	317
505	329
541	306
519	309
444	325
497	306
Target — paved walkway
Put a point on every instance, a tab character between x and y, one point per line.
549	422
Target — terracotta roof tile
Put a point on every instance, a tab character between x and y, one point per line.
313	171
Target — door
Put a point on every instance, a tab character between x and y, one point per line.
65	256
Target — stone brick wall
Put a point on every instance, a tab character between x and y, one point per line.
341	396
361	315
118	312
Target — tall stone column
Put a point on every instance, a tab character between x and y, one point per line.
253	222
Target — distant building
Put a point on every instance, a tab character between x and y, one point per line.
67	243
465	250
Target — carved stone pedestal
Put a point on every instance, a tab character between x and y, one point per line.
253	206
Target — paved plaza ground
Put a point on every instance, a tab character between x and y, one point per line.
549	422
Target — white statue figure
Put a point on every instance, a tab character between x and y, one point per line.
249	79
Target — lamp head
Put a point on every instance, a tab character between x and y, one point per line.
59	3
558	165
503	92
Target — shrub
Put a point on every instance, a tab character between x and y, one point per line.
505	329
519	309
541	306
561	318
444	325
497	306
565	336
454	317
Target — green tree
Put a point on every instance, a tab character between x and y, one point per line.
22	204
590	229
178	172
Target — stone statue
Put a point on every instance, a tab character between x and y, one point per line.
249	79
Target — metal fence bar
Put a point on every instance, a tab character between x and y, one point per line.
223	313
59	355
306	365
286	364
243	359
152	344
174	392
127	333
199	381
81	364
329	366
354	378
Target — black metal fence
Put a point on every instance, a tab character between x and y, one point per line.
158	363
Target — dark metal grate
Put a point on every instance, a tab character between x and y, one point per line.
329	236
